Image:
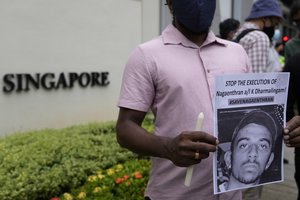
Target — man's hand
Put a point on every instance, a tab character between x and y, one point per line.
291	133
182	149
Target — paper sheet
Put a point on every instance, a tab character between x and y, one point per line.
249	154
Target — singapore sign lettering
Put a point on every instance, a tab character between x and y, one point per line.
24	82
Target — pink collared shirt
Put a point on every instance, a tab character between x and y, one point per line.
174	78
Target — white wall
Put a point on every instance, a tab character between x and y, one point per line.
242	9
237	9
39	36
225	9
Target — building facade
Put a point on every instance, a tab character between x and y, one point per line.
62	61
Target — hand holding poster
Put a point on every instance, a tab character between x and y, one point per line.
249	116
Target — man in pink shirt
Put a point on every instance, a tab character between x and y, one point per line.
173	76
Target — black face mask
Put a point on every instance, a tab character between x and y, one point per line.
204	31
269	31
196	16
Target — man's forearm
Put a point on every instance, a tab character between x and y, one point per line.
133	137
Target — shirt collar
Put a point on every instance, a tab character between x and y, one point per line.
172	36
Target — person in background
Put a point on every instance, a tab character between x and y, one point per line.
255	35
173	76
293	45
265	15
274	56
293	105
228	28
279	46
274	59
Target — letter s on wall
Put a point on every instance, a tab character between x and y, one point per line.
9	85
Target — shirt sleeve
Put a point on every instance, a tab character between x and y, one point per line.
137	89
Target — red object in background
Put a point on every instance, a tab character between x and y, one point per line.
285	38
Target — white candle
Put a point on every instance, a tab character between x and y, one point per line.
189	172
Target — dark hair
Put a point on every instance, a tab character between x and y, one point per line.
228	25
259	117
294	9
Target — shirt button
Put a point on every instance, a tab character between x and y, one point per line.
208	71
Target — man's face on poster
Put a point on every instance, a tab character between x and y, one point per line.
252	153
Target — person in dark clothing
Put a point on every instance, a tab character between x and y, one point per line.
293	45
228	27
293	104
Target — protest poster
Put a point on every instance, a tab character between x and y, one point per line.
249	114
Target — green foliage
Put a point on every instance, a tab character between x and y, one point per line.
46	163
148	122
123	181
41	164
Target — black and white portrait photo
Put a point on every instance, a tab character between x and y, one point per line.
250	148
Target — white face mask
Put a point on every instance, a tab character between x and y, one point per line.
277	35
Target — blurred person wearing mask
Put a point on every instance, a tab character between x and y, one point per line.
293	45
173	76
274	60
255	35
263	19
279	47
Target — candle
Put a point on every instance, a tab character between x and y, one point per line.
189	172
